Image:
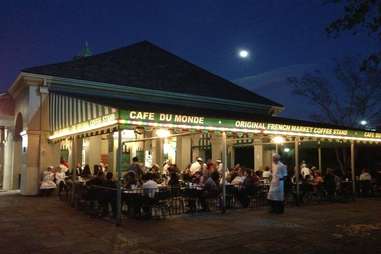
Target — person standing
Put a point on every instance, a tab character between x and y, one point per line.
276	192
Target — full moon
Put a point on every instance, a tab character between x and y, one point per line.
243	53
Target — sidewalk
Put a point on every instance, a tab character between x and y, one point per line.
47	225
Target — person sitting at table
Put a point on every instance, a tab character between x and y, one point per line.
60	180
93	187
96	170
150	189
196	166
206	171
130	180
187	175
219	167
266	175
330	183
210	190
365	182
47	183
136	168
196	178
108	195
86	172
155	171
173	179
248	187
240	178
167	164
149	186
317	179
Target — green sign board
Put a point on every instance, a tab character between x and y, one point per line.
207	123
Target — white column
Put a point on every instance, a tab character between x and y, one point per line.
119	183
8	162
258	154
30	163
217	147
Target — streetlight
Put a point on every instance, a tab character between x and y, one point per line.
363	122
278	140
163	133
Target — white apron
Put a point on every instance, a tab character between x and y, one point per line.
276	191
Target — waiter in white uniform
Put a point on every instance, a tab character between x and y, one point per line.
276	192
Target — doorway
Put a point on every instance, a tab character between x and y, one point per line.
244	155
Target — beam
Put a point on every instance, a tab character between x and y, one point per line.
225	162
297	169
353	167
119	182
319	157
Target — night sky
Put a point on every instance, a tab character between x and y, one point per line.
278	33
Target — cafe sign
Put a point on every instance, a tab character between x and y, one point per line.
93	124
201	122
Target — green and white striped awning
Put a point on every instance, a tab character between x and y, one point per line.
66	111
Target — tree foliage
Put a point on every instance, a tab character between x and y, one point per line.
349	97
359	14
352	95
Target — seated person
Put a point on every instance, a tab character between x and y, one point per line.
47	183
240	178
60	180
210	190
109	195
196	178
317	180
248	187
150	189
86	172
187	175
155	171
365	182
173	180
129	180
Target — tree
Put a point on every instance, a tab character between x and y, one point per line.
347	98
359	14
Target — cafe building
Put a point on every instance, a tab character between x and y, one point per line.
144	101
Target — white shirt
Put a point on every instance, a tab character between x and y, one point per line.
150	188
266	174
365	177
60	177
220	168
48	180
238	180
305	172
196	166
165	169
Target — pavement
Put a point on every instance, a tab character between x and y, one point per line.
47	225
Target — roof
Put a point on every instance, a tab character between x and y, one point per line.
145	65
181	109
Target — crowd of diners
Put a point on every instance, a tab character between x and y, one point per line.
204	176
